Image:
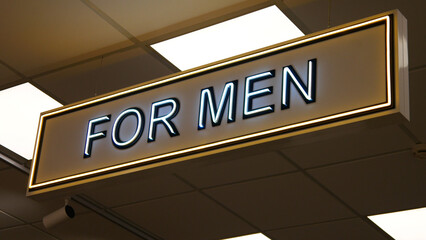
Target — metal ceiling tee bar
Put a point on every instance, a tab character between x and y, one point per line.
14	163
128	35
335	196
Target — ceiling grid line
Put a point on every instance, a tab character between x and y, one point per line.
416	68
12	69
110	21
221	205
114	217
152	199
15	218
307	168
13	83
100	210
311	224
90	59
250	180
290	14
409	133
207	21
22	79
128	35
41	230
350	208
25	79
359	159
21	167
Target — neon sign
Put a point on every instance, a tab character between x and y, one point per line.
262	96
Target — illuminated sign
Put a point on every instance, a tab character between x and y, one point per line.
346	74
228	96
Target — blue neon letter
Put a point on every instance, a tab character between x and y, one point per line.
229	95
250	94
91	135
165	120
307	92
140	122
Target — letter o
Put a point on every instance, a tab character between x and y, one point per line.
140	119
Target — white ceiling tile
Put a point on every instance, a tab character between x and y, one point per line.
88	226
280	201
100	76
138	189
224	170
348	229
24	232
189	216
366	142
38	35
371	186
134	15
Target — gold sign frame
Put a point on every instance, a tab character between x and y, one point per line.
392	103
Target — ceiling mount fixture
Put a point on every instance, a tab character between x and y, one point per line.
59	216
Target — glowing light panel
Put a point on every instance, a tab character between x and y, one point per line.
403	225
21	106
252	31
256	236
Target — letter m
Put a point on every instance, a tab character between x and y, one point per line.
208	101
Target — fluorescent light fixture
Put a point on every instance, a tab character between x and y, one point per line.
403	225
21	106
256	236
236	36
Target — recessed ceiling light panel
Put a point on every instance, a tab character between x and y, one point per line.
249	32
403	225
256	236
21	106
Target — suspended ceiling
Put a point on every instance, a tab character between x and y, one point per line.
321	187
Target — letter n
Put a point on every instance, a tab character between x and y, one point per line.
307	92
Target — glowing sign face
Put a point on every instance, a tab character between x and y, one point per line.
305	84
207	101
